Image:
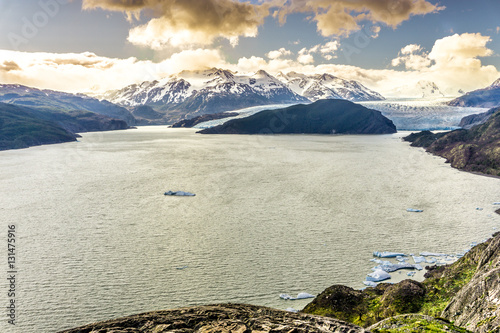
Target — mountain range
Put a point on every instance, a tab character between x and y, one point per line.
488	97
193	93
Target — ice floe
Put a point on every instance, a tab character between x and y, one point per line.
299	296
413	210
378	275
180	193
386	254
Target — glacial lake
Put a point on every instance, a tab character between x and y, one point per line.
97	239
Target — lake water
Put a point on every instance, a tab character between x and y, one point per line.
272	214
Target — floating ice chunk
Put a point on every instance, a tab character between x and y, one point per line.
377	276
430	260
292	310
370	284
413	210
411	273
180	193
418	259
299	296
479	208
182	267
304	296
401	259
430	254
496	203
386	254
393	267
418	267
381	262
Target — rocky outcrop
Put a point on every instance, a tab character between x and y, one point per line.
476	149
476	119
477	305
320	117
206	117
220	318
415	323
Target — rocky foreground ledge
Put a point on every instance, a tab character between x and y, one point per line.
220	318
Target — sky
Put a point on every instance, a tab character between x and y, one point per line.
92	46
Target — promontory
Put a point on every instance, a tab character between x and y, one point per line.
321	117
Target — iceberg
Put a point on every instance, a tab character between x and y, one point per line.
299	296
370	284
418	259
388	254
377	276
180	193
393	267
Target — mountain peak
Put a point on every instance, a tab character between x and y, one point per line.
496	83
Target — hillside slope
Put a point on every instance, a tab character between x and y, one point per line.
320	117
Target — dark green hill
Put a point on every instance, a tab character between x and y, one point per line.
60	102
476	149
21	128
320	117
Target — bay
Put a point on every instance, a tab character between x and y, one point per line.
271	215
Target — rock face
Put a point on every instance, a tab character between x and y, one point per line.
476	149
320	117
488	97
477	305
221	318
476	119
415	323
206	117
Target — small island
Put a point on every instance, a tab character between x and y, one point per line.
321	117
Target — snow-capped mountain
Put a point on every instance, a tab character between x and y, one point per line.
207	91
326	86
423	89
488	97
192	93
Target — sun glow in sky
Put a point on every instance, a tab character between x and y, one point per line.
98	45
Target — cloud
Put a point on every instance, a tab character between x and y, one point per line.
183	23
8	66
278	53
305	59
83	72
498	30
341	17
412	57
453	63
376	31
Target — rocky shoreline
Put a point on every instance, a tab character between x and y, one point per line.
460	297
221	318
